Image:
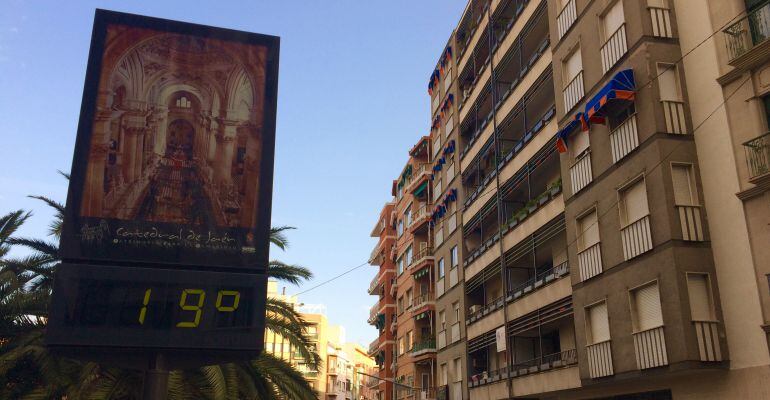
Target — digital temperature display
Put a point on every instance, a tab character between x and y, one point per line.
138	307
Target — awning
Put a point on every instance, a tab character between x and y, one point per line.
421	315
620	88
420	272
564	133
420	189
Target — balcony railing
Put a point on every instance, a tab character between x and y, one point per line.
707	333
590	261
419	217
423	254
573	92
673	113
424	346
661	22
580	172
566	18
614	48
540	364
423	299
599	359
692	227
624	139
758	156
650	347
748	33
636	238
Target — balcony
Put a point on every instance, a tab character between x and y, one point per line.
418	184
624	139
423	255
422	300
650	348
758	157
420	219
566	18
614	48
424	347
573	92
378	280
590	261
746	39
600	359
673	114
374	346
545	363
580	172
661	22
707	333
690	220
636	238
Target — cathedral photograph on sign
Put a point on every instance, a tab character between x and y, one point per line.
177	130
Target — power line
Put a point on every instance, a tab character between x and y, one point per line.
334	278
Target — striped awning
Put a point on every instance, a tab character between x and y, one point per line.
621	87
421	189
422	315
421	272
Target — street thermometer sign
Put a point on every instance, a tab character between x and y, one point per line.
166	231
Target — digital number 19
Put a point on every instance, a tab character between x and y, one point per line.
187	305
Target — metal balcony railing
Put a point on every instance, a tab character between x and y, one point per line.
758	156
661	22
673	113
614	48
650	347
707	333
749	32
423	299
573	92
566	18
690	220
580	172
624	139
636	238
599	359
425	345
419	216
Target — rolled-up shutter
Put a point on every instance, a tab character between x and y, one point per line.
599	326
647	302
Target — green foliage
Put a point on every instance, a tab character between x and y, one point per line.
29	371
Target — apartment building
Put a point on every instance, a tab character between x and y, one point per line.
406	304
600	178
342	374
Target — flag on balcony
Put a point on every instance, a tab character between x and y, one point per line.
620	88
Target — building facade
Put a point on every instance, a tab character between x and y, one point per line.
344	365
599	185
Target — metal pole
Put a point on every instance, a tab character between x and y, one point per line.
155	386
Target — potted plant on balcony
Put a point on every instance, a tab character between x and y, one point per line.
531	206
555	187
543	198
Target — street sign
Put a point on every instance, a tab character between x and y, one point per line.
166	230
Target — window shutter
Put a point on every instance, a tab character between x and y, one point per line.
599	326
589	227
668	83
700	298
647	303
635	202
613	19
458	372
573	66
449	125
682	185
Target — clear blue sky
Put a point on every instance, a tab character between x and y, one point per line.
352	101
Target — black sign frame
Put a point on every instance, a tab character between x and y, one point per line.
74	249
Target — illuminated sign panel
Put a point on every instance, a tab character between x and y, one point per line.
166	229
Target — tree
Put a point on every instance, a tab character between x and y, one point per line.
30	372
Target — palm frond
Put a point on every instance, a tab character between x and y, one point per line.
48	248
278	236
293	274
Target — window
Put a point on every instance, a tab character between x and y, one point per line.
448	126
444	377
453	257
598	326
408	256
400	192
409	298
409	340
401	346
440	268
633	203
183	102
617	118
684	185
573	65
442	319
457	374
613	19
580	144
400	227
400	304
701	302
668	82
400	264
408	215
588	230
456	307
437	190
436	145
645	307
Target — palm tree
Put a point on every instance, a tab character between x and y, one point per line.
29	285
